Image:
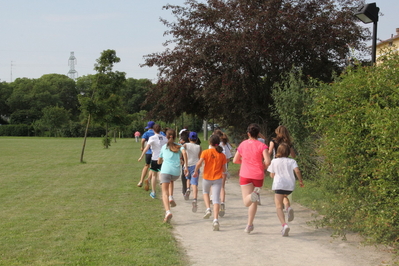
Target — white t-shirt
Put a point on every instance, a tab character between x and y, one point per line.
156	142
192	150
284	178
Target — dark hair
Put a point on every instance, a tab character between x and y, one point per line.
171	136
156	128
223	137
214	140
253	130
283	150
184	135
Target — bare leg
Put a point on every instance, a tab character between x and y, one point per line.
195	191
223	191
278	199
165	196
154	177
207	201
144	172
253	206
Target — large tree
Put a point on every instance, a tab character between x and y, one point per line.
227	54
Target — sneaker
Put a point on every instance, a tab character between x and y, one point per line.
172	203
258	200
215	225
194	209
140	184
290	214
207	214
255	194
167	218
222	210
146	185
152	195
285	230
249	229
187	195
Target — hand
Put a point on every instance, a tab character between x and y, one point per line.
186	172
195	174
139	159
301	184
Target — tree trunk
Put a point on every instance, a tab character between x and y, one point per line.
84	140
106	135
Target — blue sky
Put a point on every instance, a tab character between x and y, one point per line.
38	36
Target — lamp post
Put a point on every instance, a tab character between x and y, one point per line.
369	13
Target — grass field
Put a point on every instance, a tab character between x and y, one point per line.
57	211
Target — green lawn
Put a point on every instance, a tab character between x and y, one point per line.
57	211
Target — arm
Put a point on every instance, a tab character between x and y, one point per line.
237	158
199	154
144	151
271	147
142	144
266	158
292	152
299	175
184	153
198	166
160	160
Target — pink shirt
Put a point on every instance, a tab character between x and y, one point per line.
252	165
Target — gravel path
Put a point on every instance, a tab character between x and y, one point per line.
265	245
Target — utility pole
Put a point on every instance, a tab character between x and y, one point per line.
11	73
72	73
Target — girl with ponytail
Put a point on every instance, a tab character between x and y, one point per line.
214	172
170	170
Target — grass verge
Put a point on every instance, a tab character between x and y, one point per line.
57	211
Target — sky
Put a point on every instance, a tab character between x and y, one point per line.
37	37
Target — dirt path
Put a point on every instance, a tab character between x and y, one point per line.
265	245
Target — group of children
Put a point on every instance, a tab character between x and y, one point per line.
169	158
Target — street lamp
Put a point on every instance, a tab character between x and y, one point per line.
369	13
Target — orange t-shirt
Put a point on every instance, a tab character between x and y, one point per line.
214	162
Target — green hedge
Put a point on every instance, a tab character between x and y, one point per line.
16	130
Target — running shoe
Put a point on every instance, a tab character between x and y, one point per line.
140	184
222	210
258	200
207	214
146	185
255	194
285	230
194	209
249	229
215	225
290	214
167	218
172	203
187	195
152	195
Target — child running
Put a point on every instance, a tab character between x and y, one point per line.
282	170
254	159
170	170
214	171
155	143
193	154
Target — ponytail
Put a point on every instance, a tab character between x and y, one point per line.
214	140
171	145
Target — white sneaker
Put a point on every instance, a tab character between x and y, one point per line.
290	214
255	194
167	218
215	225
249	228
285	230
207	214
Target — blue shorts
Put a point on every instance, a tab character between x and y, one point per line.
193	180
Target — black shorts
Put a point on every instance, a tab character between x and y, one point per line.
155	166
148	159
283	192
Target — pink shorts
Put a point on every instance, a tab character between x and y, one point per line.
246	181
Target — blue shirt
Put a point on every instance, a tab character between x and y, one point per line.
171	161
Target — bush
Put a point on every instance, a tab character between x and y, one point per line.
16	130
357	118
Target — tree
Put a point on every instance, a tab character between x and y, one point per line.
229	53
5	93
53	119
134	94
103	101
